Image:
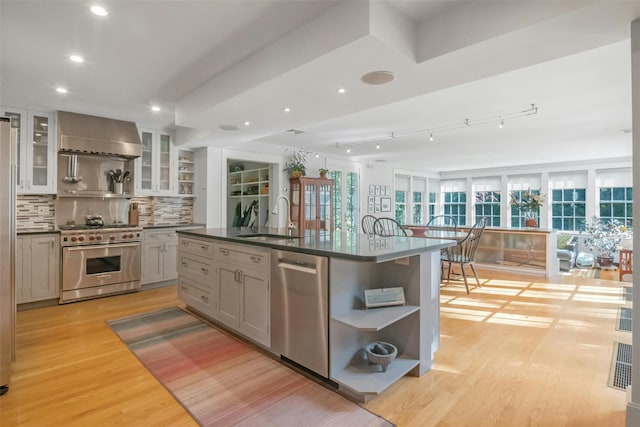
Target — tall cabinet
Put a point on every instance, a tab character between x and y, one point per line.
312	203
249	197
36	153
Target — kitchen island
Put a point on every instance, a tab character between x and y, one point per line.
227	275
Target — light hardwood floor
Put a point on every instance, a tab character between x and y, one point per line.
519	351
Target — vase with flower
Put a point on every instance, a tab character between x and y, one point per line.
605	238
296	164
529	203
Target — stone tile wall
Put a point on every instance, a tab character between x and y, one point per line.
164	210
35	213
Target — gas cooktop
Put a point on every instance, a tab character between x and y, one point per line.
74	227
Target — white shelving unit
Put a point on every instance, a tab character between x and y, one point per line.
186	173
411	328
246	187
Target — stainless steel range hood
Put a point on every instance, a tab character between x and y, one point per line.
84	134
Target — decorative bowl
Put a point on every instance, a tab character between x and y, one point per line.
374	355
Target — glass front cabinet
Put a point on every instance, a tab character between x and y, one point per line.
36	151
156	172
312	204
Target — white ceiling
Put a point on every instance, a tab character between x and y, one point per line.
214	63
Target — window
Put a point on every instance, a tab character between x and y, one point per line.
401	206
455	204
418	207
568	209
517	216
345	200
616	203
432	205
488	205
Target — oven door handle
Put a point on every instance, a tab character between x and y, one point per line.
110	245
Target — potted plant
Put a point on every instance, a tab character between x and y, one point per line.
529	203
323	172
296	164
605	239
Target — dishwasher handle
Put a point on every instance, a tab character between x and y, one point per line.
303	267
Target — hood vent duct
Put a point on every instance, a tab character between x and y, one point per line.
84	134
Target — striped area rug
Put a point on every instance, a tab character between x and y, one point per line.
221	381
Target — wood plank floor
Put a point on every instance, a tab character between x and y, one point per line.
519	351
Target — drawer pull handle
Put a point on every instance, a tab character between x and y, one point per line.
185	289
224	252
205	270
204	248
185	243
185	264
256	259
205	298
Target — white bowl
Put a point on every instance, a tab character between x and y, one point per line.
381	359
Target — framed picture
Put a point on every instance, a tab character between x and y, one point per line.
372	200
377	207
377	190
371	209
385	205
372	189
387	190
377	201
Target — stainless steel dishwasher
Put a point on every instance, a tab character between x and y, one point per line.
300	309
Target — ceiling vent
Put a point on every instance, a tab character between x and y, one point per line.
229	127
378	77
294	131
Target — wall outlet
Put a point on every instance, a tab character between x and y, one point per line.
43	210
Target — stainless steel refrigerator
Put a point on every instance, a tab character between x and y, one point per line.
8	146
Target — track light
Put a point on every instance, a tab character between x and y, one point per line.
501	125
348	149
431	136
377	145
317	155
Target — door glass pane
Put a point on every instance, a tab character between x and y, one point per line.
165	161
146	161
16	120
40	141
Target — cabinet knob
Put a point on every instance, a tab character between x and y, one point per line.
185	243
205	270
185	264
185	289
205	298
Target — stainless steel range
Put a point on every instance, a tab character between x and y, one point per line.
99	260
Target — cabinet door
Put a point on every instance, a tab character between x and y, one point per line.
152	262
23	273
40	154
144	172
165	181
45	258
170	259
255	306
19	123
228	294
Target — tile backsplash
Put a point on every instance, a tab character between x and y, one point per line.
35	213
38	212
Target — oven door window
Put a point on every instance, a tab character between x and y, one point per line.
104	264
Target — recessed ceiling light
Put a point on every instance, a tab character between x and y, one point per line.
286	109
341	90
247	123
61	90
99	10
155	108
378	77
76	58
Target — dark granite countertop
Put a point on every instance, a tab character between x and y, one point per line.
151	227
358	247
26	231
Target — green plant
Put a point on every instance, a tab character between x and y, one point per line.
297	162
528	201
606	236
323	171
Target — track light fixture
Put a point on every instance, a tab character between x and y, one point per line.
431	136
377	145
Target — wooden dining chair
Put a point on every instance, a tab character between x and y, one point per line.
625	266
388	227
443	222
465	251
367	224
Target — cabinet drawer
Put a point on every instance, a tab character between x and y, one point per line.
192	294
196	267
202	248
243	255
165	236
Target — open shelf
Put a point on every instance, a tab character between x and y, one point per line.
365	378
375	319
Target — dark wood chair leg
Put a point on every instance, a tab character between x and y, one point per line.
464	276
476	275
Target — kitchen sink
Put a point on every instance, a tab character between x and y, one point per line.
266	237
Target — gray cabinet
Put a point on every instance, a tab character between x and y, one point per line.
243	293
37	267
196	275
159	256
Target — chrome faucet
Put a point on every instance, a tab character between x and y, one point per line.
290	225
